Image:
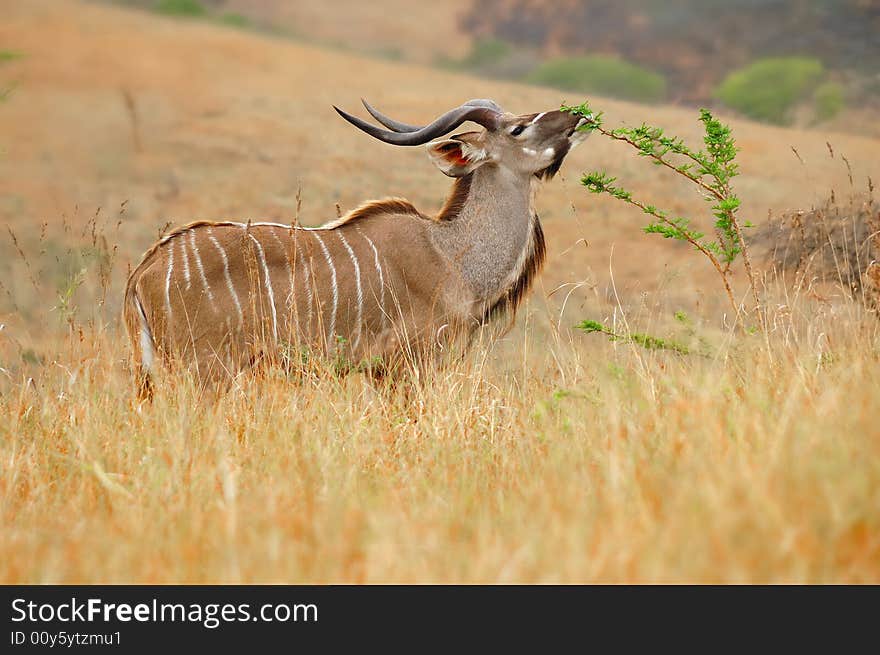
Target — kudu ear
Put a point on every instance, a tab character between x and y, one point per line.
459	155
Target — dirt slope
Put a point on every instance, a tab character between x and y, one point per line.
391	28
188	120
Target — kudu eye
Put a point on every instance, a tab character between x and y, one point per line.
516	131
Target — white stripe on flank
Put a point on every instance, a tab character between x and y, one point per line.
146	339
185	260
329	259
290	281
192	242
326	227
379	271
168	280
309	294
286	264
268	283
228	277
360	293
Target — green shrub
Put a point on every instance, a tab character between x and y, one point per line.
235	20
484	53
829	100
493	58
768	88
183	8
5	56
389	53
601	75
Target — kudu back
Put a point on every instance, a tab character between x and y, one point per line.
385	284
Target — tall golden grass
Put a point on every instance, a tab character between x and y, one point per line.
546	457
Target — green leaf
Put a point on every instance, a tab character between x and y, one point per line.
591	326
9	55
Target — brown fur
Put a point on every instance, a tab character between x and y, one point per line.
218	337
377	207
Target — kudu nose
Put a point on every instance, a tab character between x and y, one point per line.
557	121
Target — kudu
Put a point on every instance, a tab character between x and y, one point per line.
383	284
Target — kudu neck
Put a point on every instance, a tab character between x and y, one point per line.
486	229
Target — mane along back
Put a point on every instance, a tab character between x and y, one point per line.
374	208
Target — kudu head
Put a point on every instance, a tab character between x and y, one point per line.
531	144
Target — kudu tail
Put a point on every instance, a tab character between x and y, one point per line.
143	346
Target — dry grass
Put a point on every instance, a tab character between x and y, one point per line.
837	242
545	456
581	462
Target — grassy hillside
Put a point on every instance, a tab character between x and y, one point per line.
546	456
392	29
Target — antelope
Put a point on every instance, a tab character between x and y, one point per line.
383	283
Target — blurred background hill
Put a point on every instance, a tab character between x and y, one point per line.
694	44
781	61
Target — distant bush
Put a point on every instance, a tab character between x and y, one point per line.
486	52
389	53
768	89
235	20
601	75
829	100
493	58
183	8
5	56
9	55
